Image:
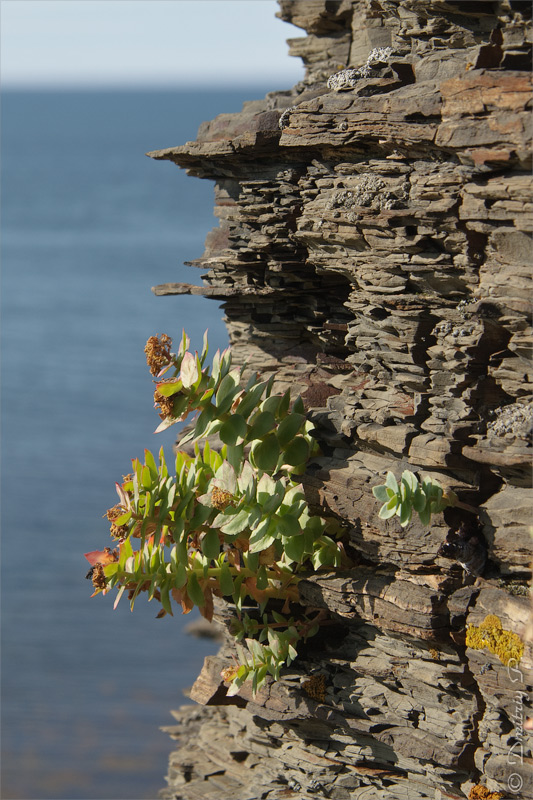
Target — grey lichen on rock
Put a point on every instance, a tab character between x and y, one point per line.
374	253
347	78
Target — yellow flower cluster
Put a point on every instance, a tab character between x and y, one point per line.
507	645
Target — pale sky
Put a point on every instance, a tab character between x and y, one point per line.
145	42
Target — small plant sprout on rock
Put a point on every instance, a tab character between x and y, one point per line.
426	497
230	523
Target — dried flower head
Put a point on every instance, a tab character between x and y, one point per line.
315	687
98	577
229	673
157	352
221	499
117	531
165	404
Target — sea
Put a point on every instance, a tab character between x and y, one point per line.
89	224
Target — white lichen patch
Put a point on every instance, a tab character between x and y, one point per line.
347	78
515	419
284	119
369	191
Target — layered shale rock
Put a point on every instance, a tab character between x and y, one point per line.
374	253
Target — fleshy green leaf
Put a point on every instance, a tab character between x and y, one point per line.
251	399
272	503
262	537
146	478
425	515
237	523
265	453
180	576
226	392
206	416
165	599
166	423
410	480
271	404
389	509
382	493
211	544
297	452
169	388
251	560
419	500
405	513
246	480
205	348
289	427
284	404
295	548
184	344
298	406
261	424
265	488
149	460
226	581
391	482
225	478
194	590
233	430
288	526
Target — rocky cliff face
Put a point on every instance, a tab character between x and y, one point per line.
374	252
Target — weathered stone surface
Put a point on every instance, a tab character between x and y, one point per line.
374	253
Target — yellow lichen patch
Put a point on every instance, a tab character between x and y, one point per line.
480	792
434	653
315	687
491	621
490	634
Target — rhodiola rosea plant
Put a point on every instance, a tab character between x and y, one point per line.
232	522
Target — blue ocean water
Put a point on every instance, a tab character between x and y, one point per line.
89	224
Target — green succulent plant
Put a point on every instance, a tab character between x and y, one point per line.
230	523
425	497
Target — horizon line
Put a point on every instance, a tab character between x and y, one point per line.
146	86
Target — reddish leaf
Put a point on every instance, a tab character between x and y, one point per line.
123	497
101	556
182	598
260	595
207	609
